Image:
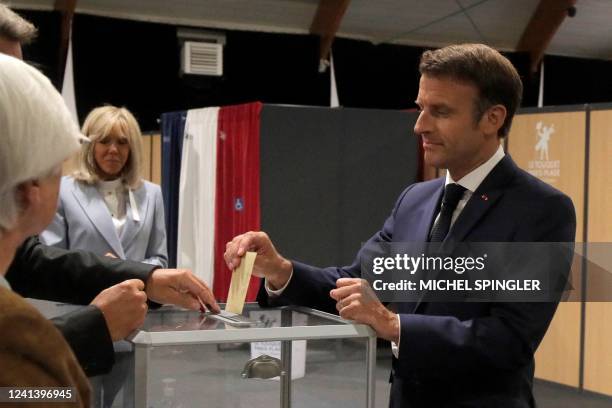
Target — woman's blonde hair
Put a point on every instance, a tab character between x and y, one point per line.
98	124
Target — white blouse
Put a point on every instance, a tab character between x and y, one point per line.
114	193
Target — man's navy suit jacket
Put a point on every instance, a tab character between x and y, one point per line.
460	354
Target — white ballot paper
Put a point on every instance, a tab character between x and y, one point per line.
239	285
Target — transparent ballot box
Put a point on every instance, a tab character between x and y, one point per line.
289	356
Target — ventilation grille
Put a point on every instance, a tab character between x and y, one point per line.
202	58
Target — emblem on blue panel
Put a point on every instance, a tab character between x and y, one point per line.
238	204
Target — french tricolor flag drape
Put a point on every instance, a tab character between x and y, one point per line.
219	190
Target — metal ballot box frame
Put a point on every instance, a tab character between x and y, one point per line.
187	328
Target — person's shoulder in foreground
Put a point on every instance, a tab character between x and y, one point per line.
25	361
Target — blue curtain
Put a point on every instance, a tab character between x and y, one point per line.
173	127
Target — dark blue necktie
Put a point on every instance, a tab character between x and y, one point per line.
452	194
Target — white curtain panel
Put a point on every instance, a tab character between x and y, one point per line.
196	218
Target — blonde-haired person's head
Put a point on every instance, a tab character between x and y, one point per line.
37	133
107	124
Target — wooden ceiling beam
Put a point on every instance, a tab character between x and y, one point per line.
326	23
66	8
544	23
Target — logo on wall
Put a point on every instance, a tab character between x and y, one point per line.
544	168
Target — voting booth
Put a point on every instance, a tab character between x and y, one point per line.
320	181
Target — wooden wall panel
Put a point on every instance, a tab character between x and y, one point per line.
551	146
156	159
564	168
558	357
146	157
598	325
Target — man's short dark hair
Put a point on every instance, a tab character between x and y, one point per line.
14	27
494	76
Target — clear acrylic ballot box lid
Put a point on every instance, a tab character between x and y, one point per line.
288	356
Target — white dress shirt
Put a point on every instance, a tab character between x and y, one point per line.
471	181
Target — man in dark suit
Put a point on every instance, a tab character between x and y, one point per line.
114	291
475	354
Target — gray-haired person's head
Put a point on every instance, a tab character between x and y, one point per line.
37	132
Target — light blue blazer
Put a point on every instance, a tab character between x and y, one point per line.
82	221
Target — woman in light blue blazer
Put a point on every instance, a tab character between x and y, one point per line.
105	206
